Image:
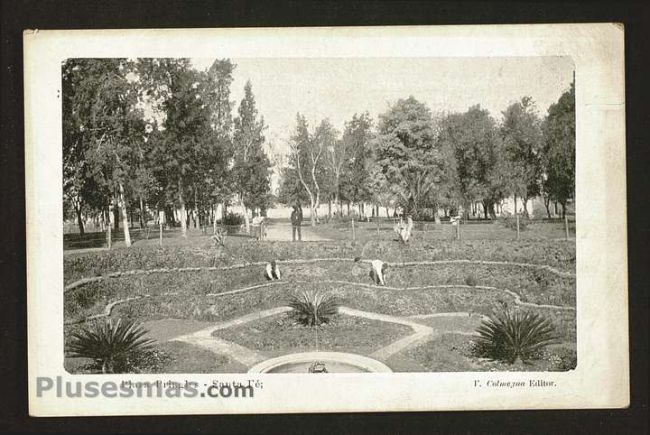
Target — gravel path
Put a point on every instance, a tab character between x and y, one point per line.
282	232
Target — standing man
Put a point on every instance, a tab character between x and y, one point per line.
296	221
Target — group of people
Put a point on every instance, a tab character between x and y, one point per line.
377	271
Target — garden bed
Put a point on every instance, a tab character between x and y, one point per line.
282	334
97	263
455	353
534	285
170	357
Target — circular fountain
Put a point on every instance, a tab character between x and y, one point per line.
320	362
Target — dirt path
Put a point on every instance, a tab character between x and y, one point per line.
283	232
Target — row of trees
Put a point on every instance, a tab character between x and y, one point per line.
422	163
157	135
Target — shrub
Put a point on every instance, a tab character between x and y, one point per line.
313	307
471	280
510	222
510	335
112	345
232	219
150	360
564	359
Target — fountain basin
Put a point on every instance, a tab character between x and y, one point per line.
335	362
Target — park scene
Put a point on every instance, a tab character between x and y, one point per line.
318	215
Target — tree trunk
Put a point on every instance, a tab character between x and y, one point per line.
336	194
214	220
116	218
547	203
142	219
329	209
246	220
125	217
80	221
556	208
525	200
195	214
109	236
312	210
316	206
515	203
387	213
563	204
436	214
182	213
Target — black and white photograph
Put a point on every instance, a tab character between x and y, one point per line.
319	215
405	212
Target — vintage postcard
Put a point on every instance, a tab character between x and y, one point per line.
326	219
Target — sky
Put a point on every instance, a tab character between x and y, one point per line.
337	88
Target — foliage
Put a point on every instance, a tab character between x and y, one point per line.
114	346
509	335
313	308
251	169
306	173
473	146
558	155
234	219
103	135
356	178
522	140
509	221
407	153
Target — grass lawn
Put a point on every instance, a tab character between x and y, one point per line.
200	251
191	288
282	334
171	357
429	231
178	302
454	353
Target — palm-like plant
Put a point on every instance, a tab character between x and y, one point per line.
110	343
511	335
313	308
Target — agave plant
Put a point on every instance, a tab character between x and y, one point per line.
511	335
313	308
110	343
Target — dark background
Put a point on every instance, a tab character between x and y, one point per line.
15	16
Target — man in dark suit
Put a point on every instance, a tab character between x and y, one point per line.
296	221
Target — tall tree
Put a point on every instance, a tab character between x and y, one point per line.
74	143
522	137
104	126
558	154
473	144
325	137
306	161
251	170
214	185
407	152
186	143
357	138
